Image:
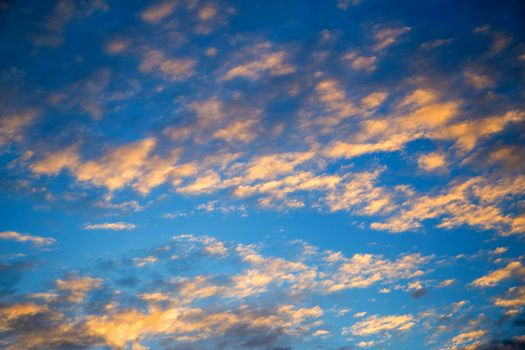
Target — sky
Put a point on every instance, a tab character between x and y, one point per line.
265	175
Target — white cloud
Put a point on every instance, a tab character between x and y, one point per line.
23	237
113	226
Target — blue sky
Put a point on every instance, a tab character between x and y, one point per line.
189	174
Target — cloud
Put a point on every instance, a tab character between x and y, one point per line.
211	245
447	282
432	161
365	270
362	63
387	135
471	337
386	37
436	43
338	106
212	206
208	182
360	193
514	299
467	134
169	68
513	269
23	237
114	226
346	4
120	166
207	12
230	121
190	324
475	202
508	344
78	287
174	315
373	100
157	12
240	131
500	250
141	262
12	126
419	114
500	41
116	46
271	166
55	162
265	60
366	344
478	80
249	299
15	311
379	324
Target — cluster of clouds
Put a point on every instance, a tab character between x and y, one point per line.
340	122
227	142
251	298
287	180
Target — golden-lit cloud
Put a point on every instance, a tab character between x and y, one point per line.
360	192
322	121
11	313
513	269
432	161
513	300
271	166
121	166
12	126
77	287
358	62
252	291
475	202
158	12
467	134
336	102
267	61
241	131
470	337
388	135
379	324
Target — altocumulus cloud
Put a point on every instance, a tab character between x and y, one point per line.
316	121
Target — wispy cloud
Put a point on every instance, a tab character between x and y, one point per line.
113	226
377	324
24	237
265	60
158	12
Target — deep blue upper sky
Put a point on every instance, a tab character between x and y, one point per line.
190	174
